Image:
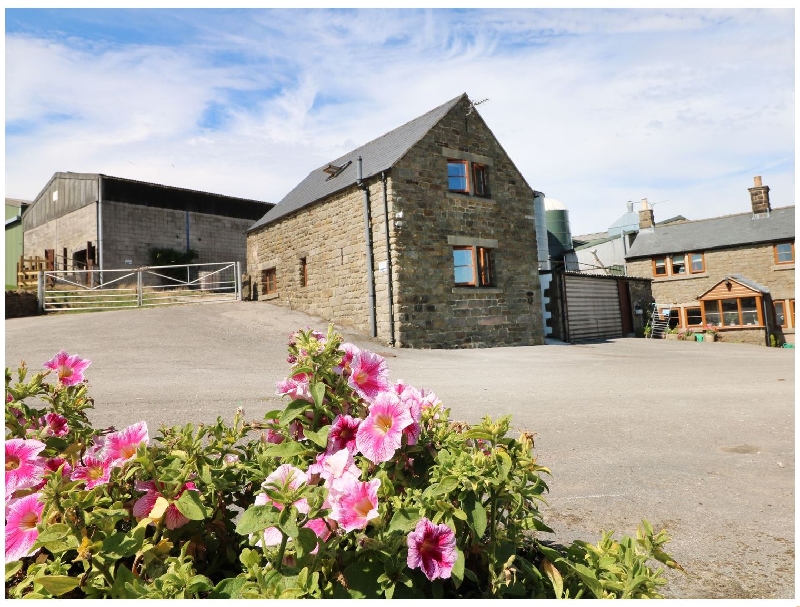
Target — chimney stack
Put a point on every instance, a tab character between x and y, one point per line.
759	197
646	221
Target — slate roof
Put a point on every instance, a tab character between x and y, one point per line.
378	155
715	233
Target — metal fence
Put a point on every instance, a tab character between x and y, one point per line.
148	286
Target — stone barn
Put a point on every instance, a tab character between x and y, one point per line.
89	219
424	237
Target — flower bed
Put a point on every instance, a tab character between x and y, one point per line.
359	487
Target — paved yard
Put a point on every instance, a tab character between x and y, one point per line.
698	438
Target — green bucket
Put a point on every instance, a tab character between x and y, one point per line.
698	336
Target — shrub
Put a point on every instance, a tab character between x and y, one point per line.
357	488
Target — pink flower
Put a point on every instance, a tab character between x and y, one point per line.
95	471
296	386
52	465
173	518
270	435
368	374
24	469
331	466
348	352
54	424
432	548
21	519
288	476
353	503
321	529
413	399
121	446
342	434
69	368
381	433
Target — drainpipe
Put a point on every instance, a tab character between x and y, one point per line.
368	238
388	260
100	226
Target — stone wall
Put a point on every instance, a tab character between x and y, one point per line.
432	311
72	231
21	303
130	231
330	236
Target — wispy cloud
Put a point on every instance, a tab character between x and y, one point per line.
596	107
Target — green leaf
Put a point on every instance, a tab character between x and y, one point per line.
58	584
476	517
404	520
588	577
228	588
293	410
446	485
199	583
319	438
54	532
505	464
285	449
119	590
257	518
555	577
287	522
12	568
457	572
318	393
119	545
306	542
362	579
191	506
477	433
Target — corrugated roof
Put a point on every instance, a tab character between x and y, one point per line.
715	233
378	155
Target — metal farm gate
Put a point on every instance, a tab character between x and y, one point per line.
592	308
148	286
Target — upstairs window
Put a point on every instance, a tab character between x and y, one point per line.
457	176
479	172
784	252
679	265
472	267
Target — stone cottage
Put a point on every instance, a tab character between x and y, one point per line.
424	237
735	272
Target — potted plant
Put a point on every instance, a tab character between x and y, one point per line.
710	333
672	333
687	335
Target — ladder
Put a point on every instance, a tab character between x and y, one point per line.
659	320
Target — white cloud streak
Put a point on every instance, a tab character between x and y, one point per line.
596	107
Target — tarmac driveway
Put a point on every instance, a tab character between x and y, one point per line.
697	438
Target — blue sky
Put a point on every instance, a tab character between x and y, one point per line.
595	106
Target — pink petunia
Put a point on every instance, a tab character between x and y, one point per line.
22	516
321	529
413	399
432	548
69	368
271	436
24	467
331	466
380	434
369	374
52	465
291	477
297	387
121	446
342	434
348	352
173	518
95	471
54	424
353	503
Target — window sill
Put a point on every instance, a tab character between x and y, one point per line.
269	296
475	290
783	266
466	196
679	277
